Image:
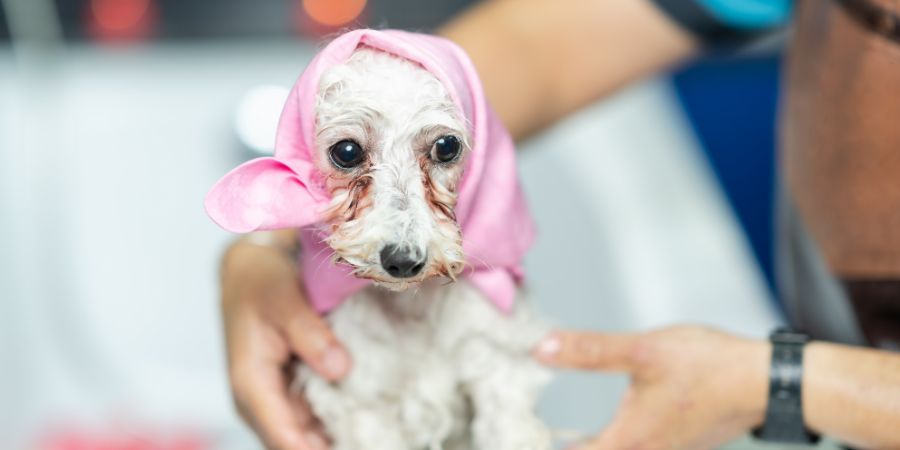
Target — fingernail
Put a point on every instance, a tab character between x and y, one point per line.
335	361
548	348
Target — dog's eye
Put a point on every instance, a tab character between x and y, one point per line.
346	154
446	148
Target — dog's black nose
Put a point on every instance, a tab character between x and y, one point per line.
400	263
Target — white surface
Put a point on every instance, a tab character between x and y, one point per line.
108	311
256	117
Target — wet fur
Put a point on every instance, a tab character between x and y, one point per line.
436	365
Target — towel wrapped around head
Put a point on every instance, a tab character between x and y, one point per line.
288	191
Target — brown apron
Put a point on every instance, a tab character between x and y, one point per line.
841	153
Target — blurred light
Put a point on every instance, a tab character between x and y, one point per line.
132	439
256	118
333	13
122	19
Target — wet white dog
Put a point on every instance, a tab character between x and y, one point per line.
436	364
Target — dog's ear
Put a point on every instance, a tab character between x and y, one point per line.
263	194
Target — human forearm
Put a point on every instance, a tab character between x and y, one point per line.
853	394
542	59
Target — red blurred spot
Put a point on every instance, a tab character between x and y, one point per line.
121	20
73	439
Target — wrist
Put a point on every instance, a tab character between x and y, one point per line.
753	390
784	419
250	249
284	241
816	362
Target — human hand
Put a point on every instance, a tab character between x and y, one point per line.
691	387
267	324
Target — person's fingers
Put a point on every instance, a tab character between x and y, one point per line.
300	407
606	440
611	438
261	303
262	284
316	439
312	427
316	436
616	435
310	337
259	383
260	391
588	350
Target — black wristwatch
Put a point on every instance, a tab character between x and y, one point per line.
784	412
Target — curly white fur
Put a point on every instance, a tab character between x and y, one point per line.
436	366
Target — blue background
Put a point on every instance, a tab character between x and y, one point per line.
732	105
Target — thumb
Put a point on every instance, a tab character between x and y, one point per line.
588	350
615	435
607	440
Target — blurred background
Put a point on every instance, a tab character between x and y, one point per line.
116	116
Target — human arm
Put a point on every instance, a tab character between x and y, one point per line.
696	388
852	394
540	60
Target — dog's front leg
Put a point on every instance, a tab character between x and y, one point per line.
503	386
352	422
360	412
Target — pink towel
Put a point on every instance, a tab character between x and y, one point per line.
287	190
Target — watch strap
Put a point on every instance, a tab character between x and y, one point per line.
784	413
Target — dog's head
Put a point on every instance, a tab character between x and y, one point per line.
369	159
392	145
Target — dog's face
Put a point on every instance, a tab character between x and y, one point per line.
393	146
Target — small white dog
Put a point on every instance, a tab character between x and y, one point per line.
437	366
440	339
